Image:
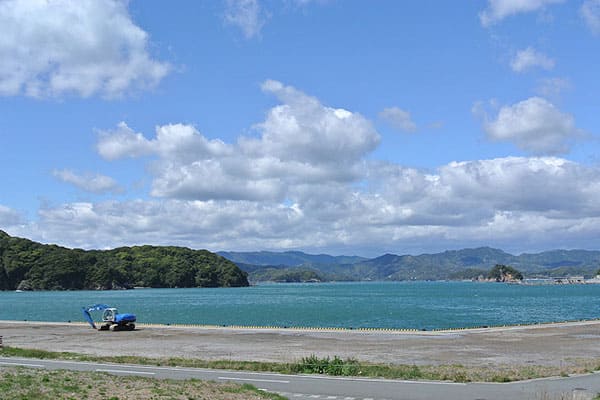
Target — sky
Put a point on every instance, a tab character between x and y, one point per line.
327	126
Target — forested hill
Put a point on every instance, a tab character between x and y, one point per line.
452	264
27	265
287	258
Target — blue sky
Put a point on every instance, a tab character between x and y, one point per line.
347	127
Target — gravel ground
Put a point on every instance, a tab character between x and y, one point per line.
543	345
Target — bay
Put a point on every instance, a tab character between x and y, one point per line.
414	305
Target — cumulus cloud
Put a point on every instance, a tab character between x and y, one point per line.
302	142
196	224
247	15
530	58
177	141
534	125
305	130
94	183
548	201
590	12
123	142
549	185
472	193
303	180
85	48
497	10
398	118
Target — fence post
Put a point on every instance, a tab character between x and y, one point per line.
0	342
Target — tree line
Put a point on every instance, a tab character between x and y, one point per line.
28	265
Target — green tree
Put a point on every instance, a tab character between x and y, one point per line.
502	272
34	266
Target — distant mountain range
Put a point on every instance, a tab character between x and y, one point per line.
454	264
287	258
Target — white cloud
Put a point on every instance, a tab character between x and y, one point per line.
9	217
470	193
84	47
123	142
399	119
530	58
301	142
549	185
177	142
534	125
94	183
544	202
248	15
305	130
497	10
304	182
590	12
197	224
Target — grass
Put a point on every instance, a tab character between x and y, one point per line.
339	367
21	383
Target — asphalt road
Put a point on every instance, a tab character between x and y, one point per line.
332	388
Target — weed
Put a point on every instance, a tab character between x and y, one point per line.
338	367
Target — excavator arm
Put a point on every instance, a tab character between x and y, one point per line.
88	317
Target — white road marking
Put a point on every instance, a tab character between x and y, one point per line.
382	380
233	378
120	371
22	364
306	376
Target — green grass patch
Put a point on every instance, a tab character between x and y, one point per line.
336	366
247	388
29	384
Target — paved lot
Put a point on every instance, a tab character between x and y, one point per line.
553	345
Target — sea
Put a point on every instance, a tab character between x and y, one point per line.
396	305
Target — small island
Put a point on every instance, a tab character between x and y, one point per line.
504	273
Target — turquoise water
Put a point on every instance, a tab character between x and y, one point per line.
420	305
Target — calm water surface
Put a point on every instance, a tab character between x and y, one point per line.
420	305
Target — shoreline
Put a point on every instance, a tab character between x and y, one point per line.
282	329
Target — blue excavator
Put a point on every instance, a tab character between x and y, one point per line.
111	319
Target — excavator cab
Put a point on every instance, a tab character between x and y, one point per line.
109	315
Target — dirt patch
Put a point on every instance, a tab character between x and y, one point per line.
553	345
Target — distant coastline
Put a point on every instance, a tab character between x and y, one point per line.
27	265
465	264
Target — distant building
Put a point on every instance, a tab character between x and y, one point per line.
570	280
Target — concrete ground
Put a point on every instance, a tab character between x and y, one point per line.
557	345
